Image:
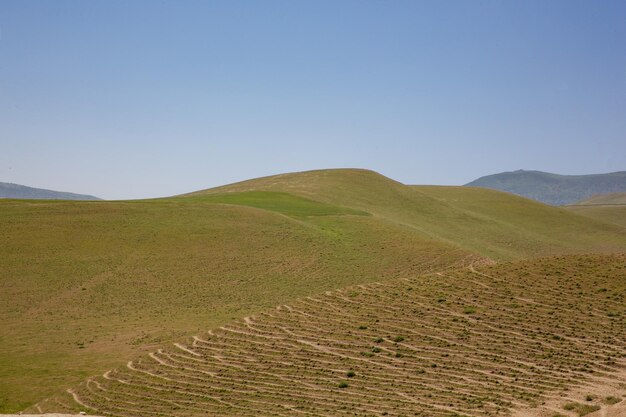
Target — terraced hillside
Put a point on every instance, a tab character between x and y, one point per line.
532	336
487	222
610	208
96	283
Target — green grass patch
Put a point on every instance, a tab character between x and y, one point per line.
610	400
581	409
280	202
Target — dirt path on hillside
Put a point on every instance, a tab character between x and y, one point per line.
46	415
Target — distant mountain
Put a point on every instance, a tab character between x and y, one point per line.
553	189
9	190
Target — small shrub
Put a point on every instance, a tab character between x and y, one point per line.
343	384
378	340
350	374
362	327
376	349
398	339
581	409
469	310
610	400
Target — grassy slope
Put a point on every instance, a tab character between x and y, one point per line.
88	285
535	227
494	224
609	208
602	199
94	283
615	214
284	203
464	343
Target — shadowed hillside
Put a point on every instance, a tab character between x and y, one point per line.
467	343
553	189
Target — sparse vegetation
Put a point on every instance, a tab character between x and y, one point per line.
509	353
610	400
162	269
581	409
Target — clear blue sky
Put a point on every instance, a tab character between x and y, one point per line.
130	99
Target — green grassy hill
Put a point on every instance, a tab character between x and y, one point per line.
491	223
89	285
610	208
86	286
473	343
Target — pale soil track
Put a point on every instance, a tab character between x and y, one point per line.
47	415
598	388
474	343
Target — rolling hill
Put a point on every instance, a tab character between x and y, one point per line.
603	200
535	336
553	189
99	282
88	286
9	190
490	223
610	208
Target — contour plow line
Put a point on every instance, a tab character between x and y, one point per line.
461	343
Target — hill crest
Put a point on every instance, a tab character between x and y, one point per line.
488	222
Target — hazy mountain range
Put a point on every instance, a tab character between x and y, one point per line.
9	190
553	189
